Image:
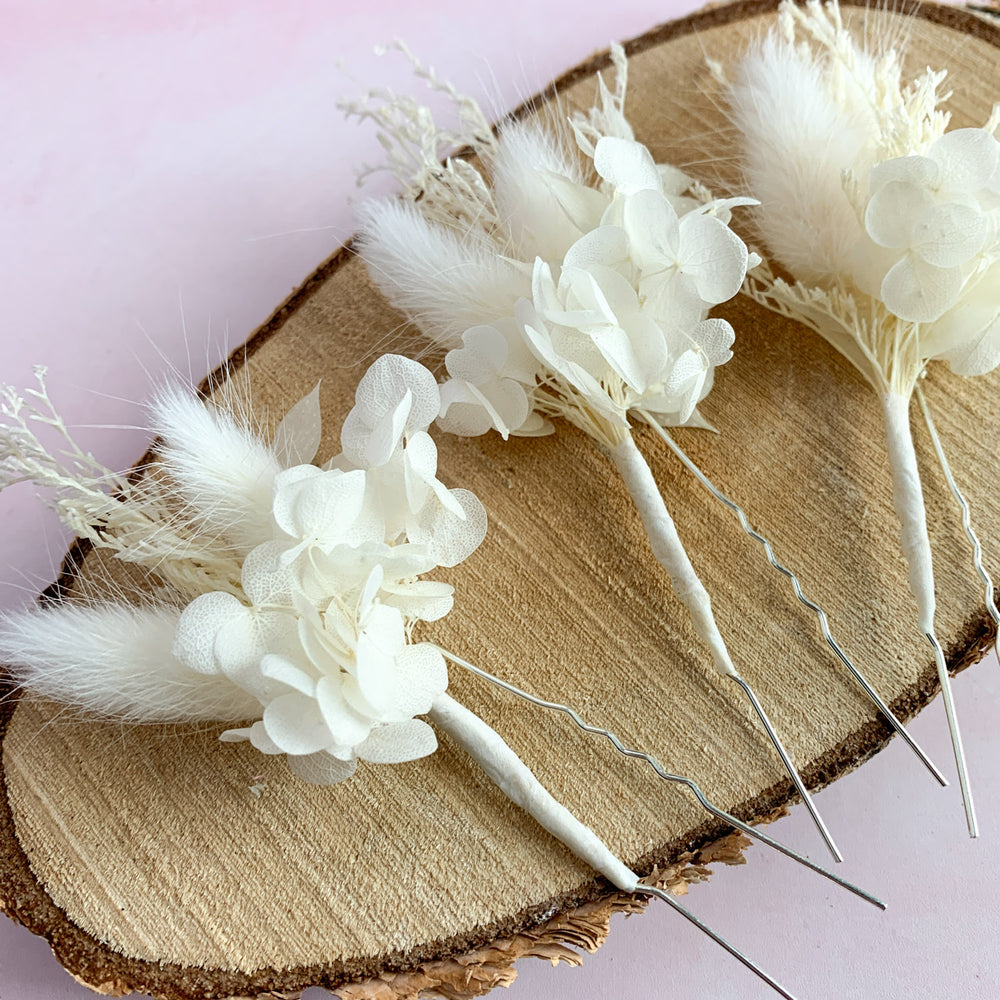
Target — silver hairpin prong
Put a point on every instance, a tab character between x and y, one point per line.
956	736
653	890
824	622
977	549
789	767
710	807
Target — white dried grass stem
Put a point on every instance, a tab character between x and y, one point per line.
908	498
669	549
513	777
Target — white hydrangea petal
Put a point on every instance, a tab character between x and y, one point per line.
257	736
650	345
398	742
583	205
297	437
375	657
199	625
949	235
919	171
521	364
426	600
653	230
483	354
713	255
893	211
346	727
321	768
423	677
260	741
967	158
265	578
920	292
627	165
535	426
235	735
369	593
539	339
451	539
286	487
421	457
616	348
387	432
278	668
239	645
507	403
715	338
380	392
462	412
605	245
968	335
321	507
295	725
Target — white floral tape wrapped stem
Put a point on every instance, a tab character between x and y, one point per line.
311	635
572	276
889	225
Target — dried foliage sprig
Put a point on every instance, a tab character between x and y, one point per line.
889	226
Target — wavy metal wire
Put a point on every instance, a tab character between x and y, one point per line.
661	772
821	615
977	549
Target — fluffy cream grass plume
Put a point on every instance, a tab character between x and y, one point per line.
451	282
114	662
794	154
889	225
222	470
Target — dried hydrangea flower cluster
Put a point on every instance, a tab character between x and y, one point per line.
581	289
889	225
320	636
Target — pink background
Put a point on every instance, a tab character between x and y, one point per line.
171	172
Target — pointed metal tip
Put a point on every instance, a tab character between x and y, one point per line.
789	767
653	890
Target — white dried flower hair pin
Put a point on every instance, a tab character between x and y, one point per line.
571	276
889	225
286	593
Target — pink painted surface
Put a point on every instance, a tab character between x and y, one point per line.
170	173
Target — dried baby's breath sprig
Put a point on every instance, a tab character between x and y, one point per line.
889	226
581	292
137	520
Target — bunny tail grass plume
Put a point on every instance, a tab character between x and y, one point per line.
794	155
115	662
907	250
529	162
446	281
223	472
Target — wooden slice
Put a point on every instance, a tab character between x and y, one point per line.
166	862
